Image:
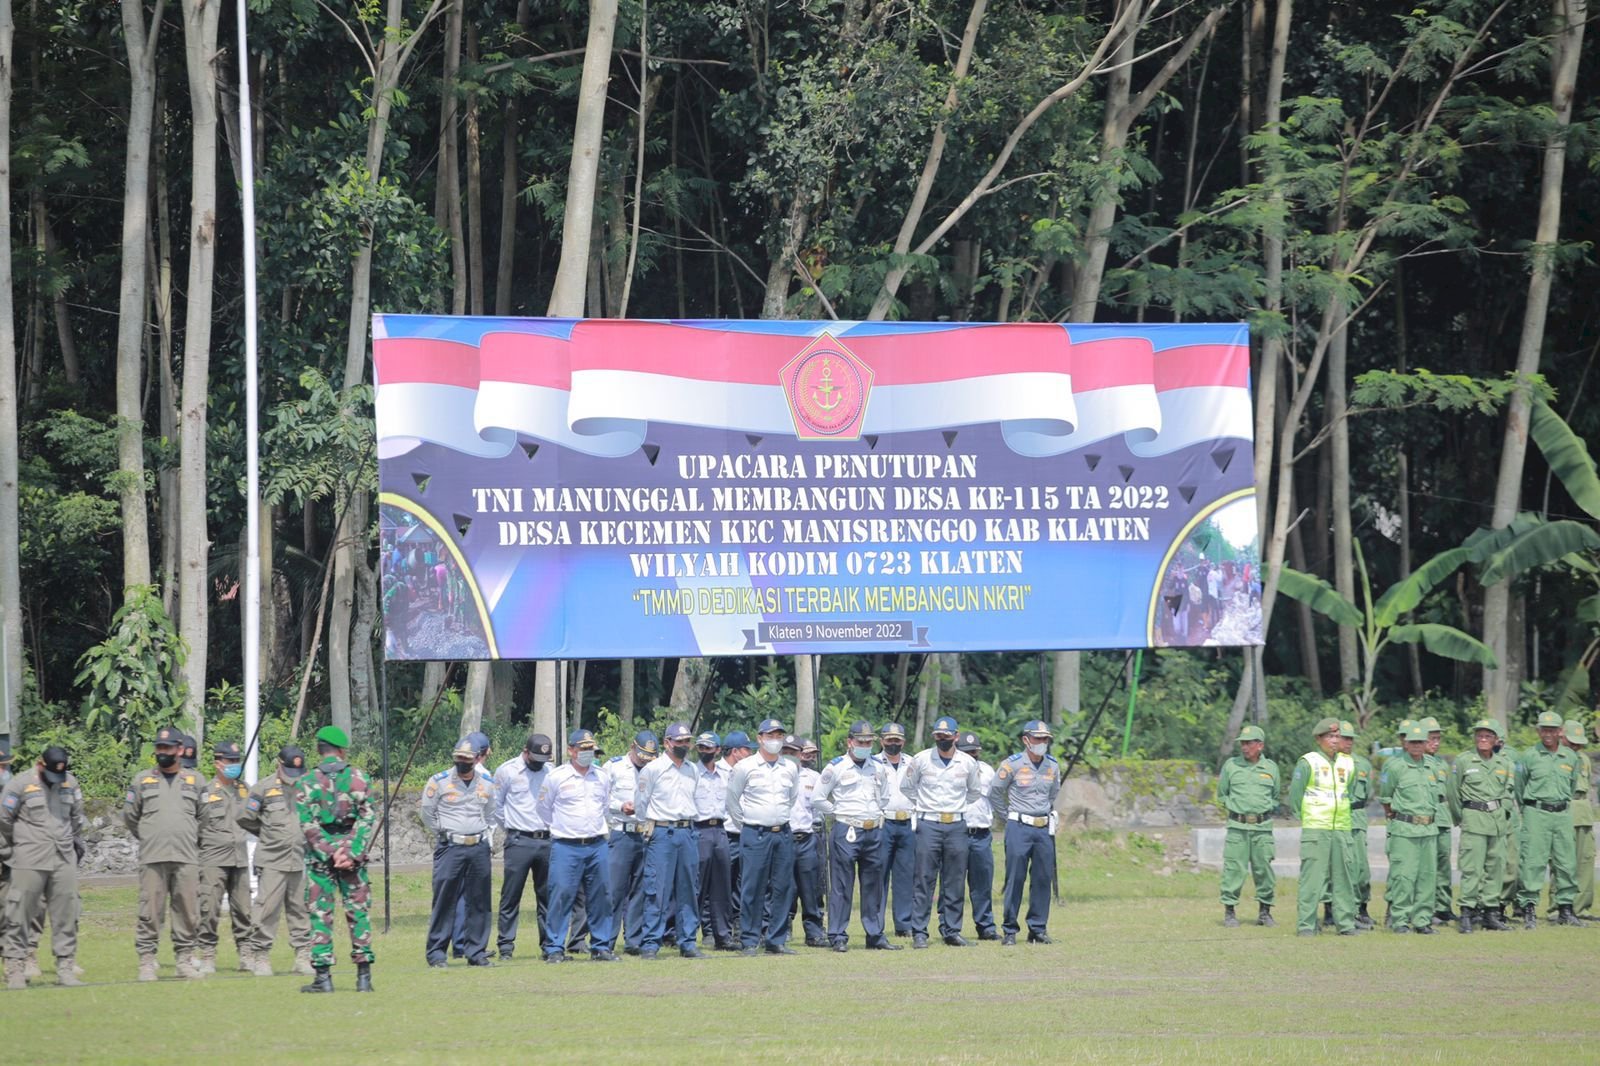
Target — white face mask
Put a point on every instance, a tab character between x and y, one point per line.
772	746
1038	749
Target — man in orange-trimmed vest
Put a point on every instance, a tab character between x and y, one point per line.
1319	793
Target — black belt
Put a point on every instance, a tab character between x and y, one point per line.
708	823
781	828
1250	819
578	840
338	827
1481	805
975	831
1553	808
681	823
1413	819
537	834
806	835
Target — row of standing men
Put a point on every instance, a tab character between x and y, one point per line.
729	837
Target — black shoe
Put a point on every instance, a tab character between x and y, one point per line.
1492	920
1465	925
438	964
902	932
481	960
689	951
1229	919
603	955
1566	917
556	956
1399	929
630	951
363	977
649	954
1530	919
506	955
883	945
841	947
727	945
1444	917
1265	917
816	942
956	940
322	982
1039	938
781	949
1423	930
1364	920
750	953
1352	931
1009	940
919	941
989	934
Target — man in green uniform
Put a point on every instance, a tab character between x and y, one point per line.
1582	821
1397	751
271	813
337	816
1442	912
1360	795
41	830
1546	776
1319	793
1249	788
162	812
1408	800
1480	798
224	869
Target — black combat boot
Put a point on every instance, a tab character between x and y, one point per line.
1564	916
1229	919
1265	917
1327	914
363	977
322	982
1363	919
1466	920
1491	919
1530	917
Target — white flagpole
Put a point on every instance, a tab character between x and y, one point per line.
252	535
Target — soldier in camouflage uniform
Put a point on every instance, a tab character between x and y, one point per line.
337	818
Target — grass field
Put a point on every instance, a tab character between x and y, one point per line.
1142	971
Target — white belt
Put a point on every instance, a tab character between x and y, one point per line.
1038	821
466	839
942	817
897	816
862	823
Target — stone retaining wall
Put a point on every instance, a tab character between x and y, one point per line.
1139	794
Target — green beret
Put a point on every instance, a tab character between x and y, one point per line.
1327	725
332	734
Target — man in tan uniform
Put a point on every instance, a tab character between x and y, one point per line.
162	812
270	813
41	825
224	864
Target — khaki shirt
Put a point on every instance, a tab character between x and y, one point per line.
270	812
40	822
1582	808
221	839
1485	781
162	811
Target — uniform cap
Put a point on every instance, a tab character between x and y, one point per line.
480	742
770	725
465	747
1037	727
226	749
167	736
736	739
1404	727
188	742
946	725
968	742
791	742
646	742
893	729
1251	732
1431	724
1347	728
55	764
1551	718
539	744
807	744
1327	725
292	760
1573	731
708	739
861	731
1487	723
678	731
579	737
1416	732
332	734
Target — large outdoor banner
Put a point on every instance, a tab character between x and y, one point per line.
557	488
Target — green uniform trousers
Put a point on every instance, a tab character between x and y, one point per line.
1511	881
1248	851
33	894
215	883
283	893
1326	869
1483	862
1358	845
1441	871
1547	840
352	886
159	882
1412	867
1583	846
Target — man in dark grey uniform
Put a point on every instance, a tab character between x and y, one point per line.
41	827
162	812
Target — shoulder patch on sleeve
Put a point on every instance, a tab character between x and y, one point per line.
10	802
130	797
431	790
253	804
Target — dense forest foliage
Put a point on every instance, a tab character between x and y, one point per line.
1401	198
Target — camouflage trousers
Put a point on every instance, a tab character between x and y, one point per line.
322	882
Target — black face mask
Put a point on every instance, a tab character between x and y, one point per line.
809	762
537	764
165	759
708	757
945	743
893	749
465	768
679	751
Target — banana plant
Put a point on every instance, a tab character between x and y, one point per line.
1380	624
1532	541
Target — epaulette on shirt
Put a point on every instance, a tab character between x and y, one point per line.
440	776
614	758
1016	758
836	760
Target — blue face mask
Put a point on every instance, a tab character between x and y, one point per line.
860	754
232	771
584	759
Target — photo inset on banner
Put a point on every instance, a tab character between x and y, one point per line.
430	607
1210	593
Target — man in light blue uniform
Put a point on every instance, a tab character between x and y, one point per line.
941	784
573	801
899	834
665	803
761	795
1024	794
711	814
459	806
852	789
458	932
526	854
980	843
627	843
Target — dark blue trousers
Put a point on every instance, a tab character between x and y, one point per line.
574	866
846	859
626	862
525	856
899	864
671	885
766	859
980	878
1030	852
941	860
461	872
735	884
808	882
716	885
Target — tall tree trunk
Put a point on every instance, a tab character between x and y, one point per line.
1065	687
133	292
474	698
200	54
58	299
1403	468
1344	572
10	562
474	188
1570	16
689	685
447	209
510	183
805	695
502	686
167	412
567	294
625	691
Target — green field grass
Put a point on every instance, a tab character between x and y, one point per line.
1142	971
